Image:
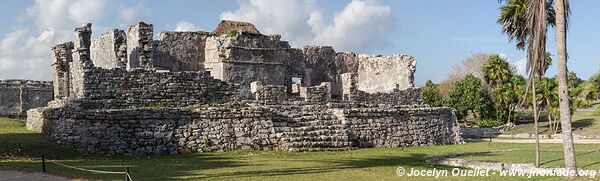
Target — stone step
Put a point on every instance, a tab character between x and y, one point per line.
319	149
307	128
318	144
316	138
314	133
307	123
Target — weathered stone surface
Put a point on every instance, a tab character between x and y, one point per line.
289	127
321	93
268	94
180	51
229	26
243	58
386	73
18	96
61	59
139	46
148	88
352	93
109	50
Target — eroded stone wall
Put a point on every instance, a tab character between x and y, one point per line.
269	94
109	50
381	74
18	96
352	93
61	60
320	93
402	127
244	58
180	51
139	46
149	88
292	127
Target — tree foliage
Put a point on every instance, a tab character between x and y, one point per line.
496	71
431	94
470	96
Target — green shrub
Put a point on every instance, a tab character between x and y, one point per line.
598	110
489	123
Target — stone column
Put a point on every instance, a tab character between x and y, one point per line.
139	46
348	86
81	60
61	57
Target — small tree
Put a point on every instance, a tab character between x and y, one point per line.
469	96
431	94
506	98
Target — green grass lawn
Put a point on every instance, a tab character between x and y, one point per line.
583	122
588	156
21	149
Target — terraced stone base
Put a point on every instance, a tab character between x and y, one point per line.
291	127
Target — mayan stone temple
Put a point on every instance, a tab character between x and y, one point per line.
234	88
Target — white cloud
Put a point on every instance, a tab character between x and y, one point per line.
363	25
521	66
25	52
290	18
132	14
186	26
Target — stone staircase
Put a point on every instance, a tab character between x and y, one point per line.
317	130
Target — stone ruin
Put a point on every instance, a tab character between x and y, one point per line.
233	88
18	96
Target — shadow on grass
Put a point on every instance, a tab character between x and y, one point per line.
582	123
31	146
576	155
413	160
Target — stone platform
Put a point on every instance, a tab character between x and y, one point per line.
290	127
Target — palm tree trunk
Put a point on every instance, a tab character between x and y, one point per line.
550	124
535	126
563	91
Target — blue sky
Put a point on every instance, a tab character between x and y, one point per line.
438	33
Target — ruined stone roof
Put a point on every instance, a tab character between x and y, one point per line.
226	26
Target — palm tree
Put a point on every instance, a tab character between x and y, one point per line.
562	14
526	21
529	27
512	19
496	71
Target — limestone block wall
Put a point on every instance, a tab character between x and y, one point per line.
109	50
385	73
149	88
321	93
352	93
18	96
268	94
245	58
292	127
180	51
159	130
61	59
395	127
139	46
323	64
81	60
409	96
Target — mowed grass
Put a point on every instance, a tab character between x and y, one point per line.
21	150
584	123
